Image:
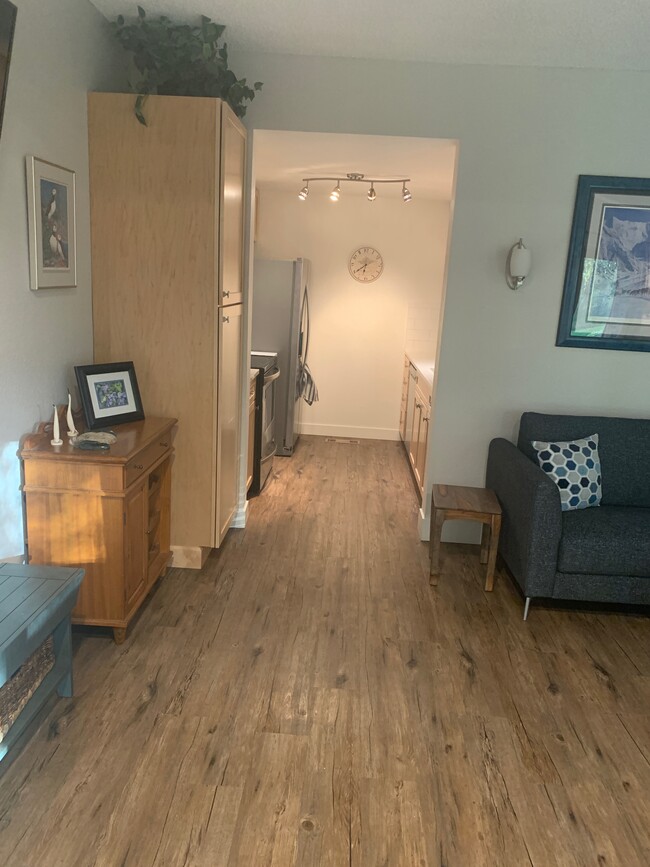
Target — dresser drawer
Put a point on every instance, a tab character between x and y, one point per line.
144	459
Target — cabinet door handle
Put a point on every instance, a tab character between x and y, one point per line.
164	445
138	466
225	293
225	318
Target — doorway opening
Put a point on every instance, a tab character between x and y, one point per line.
374	343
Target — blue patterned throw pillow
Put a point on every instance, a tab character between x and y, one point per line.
575	469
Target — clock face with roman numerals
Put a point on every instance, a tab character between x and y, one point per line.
366	264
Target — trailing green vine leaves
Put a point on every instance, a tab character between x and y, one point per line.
180	60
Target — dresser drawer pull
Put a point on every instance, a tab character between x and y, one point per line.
163	445
138	466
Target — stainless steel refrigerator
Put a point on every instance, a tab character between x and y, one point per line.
281	324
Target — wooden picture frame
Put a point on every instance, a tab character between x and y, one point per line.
109	394
606	300
52	218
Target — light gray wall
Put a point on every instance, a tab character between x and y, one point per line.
61	51
525	135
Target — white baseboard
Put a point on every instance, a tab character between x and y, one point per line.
340	430
240	517
19	559
189	556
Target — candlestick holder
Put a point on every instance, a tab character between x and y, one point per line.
72	430
56	431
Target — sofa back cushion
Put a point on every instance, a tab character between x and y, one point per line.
623	444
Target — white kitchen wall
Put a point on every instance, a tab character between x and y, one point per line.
359	330
61	51
525	134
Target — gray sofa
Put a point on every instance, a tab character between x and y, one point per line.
599	554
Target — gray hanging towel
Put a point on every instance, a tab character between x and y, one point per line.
306	385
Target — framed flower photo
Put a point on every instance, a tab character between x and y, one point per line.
51	211
606	300
109	394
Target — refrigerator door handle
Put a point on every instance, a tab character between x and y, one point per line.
304	327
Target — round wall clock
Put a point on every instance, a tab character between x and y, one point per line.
366	264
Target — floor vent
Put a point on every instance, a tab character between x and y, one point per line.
345	440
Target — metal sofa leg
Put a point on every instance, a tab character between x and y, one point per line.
526	607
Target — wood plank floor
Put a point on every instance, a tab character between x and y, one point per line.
307	699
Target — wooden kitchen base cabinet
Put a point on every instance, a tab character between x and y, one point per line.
106	512
415	416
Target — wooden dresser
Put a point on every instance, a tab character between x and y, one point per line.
107	512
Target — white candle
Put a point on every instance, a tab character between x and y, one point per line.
56	433
72	430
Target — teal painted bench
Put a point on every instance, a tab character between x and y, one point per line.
35	602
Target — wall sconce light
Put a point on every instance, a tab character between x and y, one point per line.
517	265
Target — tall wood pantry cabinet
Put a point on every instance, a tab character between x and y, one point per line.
167	221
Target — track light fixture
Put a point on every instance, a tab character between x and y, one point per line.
356	178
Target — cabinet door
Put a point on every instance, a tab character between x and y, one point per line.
230	345
231	230
136	511
405	397
410	406
423	438
414	437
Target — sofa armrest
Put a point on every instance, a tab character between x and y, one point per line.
531	525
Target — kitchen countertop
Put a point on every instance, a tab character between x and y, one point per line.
424	365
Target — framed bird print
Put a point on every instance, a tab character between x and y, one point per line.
51	213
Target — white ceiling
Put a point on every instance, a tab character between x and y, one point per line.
609	34
283	159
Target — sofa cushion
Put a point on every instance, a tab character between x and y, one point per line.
611	540
575	468
623	445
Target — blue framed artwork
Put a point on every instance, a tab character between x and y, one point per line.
606	300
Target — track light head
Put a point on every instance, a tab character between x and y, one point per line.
336	192
372	195
406	194
302	195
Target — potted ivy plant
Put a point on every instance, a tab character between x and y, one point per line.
175	59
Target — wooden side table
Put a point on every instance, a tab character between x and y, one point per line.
456	503
105	511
